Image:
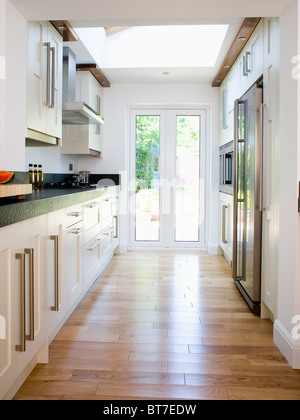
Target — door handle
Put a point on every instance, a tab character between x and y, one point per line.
55	308
30	252
224	210
22	347
53	78
261	178
48	46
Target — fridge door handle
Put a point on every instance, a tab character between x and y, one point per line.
262	208
235	188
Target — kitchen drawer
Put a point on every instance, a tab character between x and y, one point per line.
106	240
92	213
92	260
89	234
107	221
73	215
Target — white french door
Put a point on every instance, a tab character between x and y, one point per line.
167	178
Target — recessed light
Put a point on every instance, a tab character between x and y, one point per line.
62	28
166	73
226	67
242	38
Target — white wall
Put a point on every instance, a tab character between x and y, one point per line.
15	98
116	101
2	77
289	231
51	159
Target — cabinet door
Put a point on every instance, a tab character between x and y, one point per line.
226	225
34	247
256	55
54	114
57	288
270	218
36	80
72	255
10	358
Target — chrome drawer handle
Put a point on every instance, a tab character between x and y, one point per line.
77	231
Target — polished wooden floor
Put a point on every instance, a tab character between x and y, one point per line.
164	325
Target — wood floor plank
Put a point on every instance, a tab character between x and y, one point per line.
163	325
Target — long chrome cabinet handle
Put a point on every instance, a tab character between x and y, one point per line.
224	209
117	227
235	188
95	244
30	252
22	346
55	308
53	78
48	46
261	178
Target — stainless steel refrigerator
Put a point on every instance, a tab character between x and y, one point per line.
248	149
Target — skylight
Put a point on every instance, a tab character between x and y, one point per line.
164	46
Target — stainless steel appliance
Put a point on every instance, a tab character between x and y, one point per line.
226	168
75	113
248	195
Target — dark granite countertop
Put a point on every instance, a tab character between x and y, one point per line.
45	201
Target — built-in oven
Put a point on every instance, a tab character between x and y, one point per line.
226	157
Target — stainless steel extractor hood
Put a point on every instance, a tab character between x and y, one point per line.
75	113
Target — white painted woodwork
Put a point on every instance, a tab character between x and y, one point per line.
80	139
226	225
270	222
78	268
40	116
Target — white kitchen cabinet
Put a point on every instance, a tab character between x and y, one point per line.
44	82
85	139
10	358
250	63
72	271
270	215
101	224
50	251
23	297
226	225
57	287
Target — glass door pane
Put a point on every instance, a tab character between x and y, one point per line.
147	169
187	182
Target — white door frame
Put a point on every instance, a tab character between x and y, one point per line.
155	109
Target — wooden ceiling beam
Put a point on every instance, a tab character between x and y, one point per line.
65	29
241	39
96	72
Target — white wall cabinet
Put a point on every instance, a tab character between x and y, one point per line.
85	139
250	64
44	80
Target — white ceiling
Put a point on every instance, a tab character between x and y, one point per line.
144	12
101	13
157	74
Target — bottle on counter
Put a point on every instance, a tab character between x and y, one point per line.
31	177
35	181
40	177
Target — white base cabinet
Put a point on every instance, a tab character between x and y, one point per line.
23	305
226	225
47	265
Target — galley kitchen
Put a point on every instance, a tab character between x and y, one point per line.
149	187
